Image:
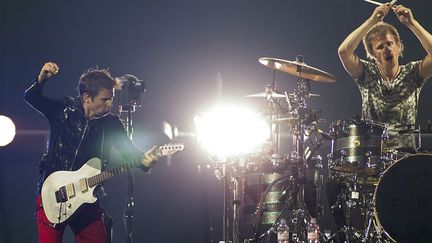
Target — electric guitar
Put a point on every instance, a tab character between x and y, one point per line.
63	192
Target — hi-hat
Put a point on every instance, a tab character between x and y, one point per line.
297	68
266	94
310	94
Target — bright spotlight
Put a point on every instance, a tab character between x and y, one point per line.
230	131
7	130
168	130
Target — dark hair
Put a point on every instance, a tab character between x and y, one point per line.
93	80
380	30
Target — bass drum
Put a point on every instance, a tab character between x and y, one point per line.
403	200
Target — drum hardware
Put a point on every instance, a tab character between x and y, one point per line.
357	196
249	175
290	121
266	94
363	196
357	146
308	95
273	109
299	119
415	129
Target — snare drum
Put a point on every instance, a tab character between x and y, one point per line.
357	146
403	200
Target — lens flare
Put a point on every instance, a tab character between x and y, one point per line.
230	130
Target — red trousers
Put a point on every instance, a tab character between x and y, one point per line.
87	225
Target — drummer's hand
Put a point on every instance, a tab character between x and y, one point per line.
48	70
404	15
380	12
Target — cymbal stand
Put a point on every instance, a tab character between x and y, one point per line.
300	110
235	208
359	196
274	109
231	202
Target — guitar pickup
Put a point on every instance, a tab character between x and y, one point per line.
83	185
61	195
70	189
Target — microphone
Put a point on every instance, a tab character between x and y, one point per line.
130	92
133	81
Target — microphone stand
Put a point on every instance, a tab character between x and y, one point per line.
129	97
128	211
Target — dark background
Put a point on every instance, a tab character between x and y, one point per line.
182	49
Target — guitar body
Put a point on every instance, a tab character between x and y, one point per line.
63	192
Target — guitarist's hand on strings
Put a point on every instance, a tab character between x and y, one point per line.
150	157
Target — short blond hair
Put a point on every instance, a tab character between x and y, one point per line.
380	30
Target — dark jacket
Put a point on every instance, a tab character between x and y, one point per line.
74	139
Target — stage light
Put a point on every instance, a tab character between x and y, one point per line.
168	131
230	130
7	130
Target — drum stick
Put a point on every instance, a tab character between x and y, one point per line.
378	3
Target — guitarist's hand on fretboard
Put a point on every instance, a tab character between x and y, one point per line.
150	157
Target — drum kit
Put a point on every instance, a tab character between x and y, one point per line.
389	192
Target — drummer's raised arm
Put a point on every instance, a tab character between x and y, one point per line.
349	59
406	17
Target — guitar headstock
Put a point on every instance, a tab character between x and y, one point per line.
170	149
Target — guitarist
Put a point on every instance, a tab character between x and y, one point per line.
81	128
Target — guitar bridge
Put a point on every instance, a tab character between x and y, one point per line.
61	195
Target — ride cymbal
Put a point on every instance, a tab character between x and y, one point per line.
297	68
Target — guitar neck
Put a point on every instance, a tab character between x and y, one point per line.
108	174
166	150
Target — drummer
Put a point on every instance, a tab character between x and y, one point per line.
389	90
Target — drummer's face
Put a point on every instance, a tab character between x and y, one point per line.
386	49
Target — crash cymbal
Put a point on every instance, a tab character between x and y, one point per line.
266	94
284	121
299	69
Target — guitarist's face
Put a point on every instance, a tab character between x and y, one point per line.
99	105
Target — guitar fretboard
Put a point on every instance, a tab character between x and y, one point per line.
165	150
108	174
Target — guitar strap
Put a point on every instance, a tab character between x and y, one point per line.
101	152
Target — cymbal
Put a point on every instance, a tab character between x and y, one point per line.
284	121
266	94
299	69
310	94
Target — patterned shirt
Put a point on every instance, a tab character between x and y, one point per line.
392	103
